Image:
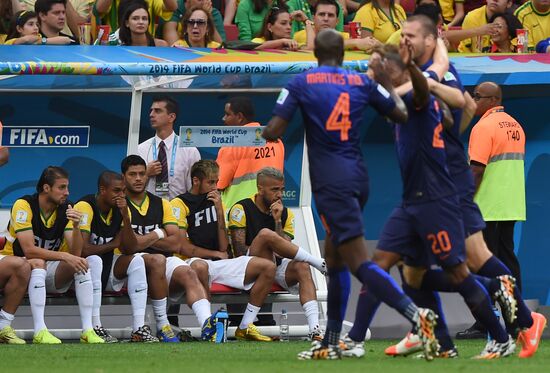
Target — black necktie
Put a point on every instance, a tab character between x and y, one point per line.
163	176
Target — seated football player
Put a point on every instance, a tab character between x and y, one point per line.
157	233
43	228
261	226
204	239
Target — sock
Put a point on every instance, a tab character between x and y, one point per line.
95	264
37	298
201	308
311	310
5	319
477	299
159	309
367	304
339	287
431	300
386	290
490	284
249	315
304	256
137	290
493	267
84	296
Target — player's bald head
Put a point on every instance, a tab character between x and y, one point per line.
329	47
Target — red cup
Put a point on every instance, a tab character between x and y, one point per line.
355	30
105	36
523	40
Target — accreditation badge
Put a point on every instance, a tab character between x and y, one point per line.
161	187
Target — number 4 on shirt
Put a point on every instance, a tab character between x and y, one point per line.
339	117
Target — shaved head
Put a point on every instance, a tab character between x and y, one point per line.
487	96
329	47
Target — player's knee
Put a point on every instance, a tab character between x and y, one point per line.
187	276
268	268
267	235
22	268
37	263
200	267
94	261
303	271
154	261
458	273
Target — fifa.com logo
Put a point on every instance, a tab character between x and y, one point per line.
45	136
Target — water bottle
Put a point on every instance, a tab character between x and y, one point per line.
283	326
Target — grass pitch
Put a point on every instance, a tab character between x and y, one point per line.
245	357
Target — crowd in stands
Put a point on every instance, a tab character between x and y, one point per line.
467	26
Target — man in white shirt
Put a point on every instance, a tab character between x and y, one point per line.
168	166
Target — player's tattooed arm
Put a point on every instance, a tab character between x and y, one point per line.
238	240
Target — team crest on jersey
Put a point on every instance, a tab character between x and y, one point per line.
21	216
237	214
282	96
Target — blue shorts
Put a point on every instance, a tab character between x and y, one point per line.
340	206
471	215
426	233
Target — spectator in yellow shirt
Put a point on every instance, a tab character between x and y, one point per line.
452	11
380	19
477	18
535	17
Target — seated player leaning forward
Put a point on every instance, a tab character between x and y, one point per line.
43	228
157	233
107	232
201	221
261	226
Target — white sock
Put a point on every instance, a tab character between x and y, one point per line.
95	264
303	256
5	319
311	310
201	308
159	309
37	298
249	315
137	290
85	297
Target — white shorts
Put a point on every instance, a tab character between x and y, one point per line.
228	272
280	273
51	269
113	283
173	262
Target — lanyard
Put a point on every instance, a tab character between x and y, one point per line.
173	158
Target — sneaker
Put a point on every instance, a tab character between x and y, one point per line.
319	352
316	334
425	325
7	335
408	345
45	337
473	332
144	335
166	334
215	327
495	350
208	332
350	348
186	336
104	334
449	354
324	269
530	338
89	336
251	333
505	297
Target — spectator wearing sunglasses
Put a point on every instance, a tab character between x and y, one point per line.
276	31
198	30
